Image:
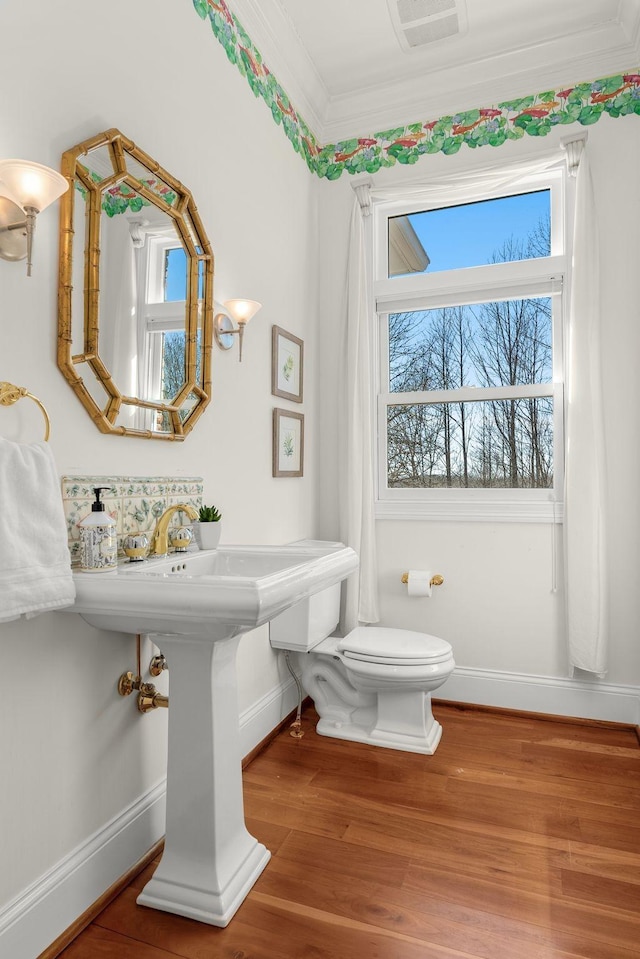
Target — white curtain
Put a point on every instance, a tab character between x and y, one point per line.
585	473
357	522
585	460
118	344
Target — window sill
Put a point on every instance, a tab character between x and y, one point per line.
450	510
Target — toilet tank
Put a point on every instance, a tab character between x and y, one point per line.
303	626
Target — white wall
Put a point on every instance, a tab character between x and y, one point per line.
73	754
497	607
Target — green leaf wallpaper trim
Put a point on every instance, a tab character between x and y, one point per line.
534	115
241	51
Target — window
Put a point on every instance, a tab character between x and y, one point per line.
470	404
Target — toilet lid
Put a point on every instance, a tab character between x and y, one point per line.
397	647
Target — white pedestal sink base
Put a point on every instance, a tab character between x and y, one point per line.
210	861
195	606
206	902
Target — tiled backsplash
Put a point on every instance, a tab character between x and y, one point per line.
135	502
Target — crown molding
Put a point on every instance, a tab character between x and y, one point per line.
425	95
487	82
629	18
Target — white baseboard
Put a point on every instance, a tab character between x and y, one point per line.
41	913
544	694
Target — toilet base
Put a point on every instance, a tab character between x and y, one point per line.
362	728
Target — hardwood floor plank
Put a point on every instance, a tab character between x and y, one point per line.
493	895
266	928
496	933
603	748
611	835
290	810
189	939
582	765
522	866
522	810
391	908
537	725
601	891
344	938
605	862
346	861
98	943
607	802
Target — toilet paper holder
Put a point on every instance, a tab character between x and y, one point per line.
436	580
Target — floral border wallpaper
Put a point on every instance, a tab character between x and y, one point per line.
120	198
534	115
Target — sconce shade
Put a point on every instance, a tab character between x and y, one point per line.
239	310
242	310
30	185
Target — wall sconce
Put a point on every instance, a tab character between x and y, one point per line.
239	310
26	189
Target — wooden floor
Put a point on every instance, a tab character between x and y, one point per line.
519	839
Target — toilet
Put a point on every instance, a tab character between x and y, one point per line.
373	685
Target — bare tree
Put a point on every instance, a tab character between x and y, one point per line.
512	347
173	364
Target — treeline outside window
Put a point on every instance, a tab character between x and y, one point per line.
462	443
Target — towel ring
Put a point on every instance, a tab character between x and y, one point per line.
10	394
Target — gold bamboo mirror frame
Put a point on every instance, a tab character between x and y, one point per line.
135	293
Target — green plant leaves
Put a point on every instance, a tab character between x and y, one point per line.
209	514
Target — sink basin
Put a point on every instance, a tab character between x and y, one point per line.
196	606
197	591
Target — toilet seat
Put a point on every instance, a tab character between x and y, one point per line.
394	647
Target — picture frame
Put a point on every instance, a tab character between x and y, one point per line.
287	365
288	443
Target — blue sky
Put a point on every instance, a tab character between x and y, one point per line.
467	235
176	275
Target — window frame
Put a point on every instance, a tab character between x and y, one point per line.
544	276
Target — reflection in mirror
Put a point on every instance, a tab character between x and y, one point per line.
135	294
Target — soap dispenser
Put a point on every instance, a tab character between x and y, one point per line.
98	542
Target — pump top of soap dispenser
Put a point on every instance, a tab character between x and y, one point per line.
98	506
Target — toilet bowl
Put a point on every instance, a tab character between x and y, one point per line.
373	685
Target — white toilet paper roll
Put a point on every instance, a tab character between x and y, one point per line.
419	582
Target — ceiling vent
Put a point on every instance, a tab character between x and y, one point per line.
419	22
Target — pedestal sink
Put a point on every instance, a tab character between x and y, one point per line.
196	606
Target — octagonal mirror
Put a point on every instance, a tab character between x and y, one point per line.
135	300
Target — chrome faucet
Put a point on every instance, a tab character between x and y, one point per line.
160	536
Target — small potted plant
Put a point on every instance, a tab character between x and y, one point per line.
207	527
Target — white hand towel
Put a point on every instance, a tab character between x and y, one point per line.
35	565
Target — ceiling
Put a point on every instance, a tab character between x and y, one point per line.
347	74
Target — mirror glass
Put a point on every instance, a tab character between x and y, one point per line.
135	304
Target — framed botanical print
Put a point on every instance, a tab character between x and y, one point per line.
288	443
287	362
